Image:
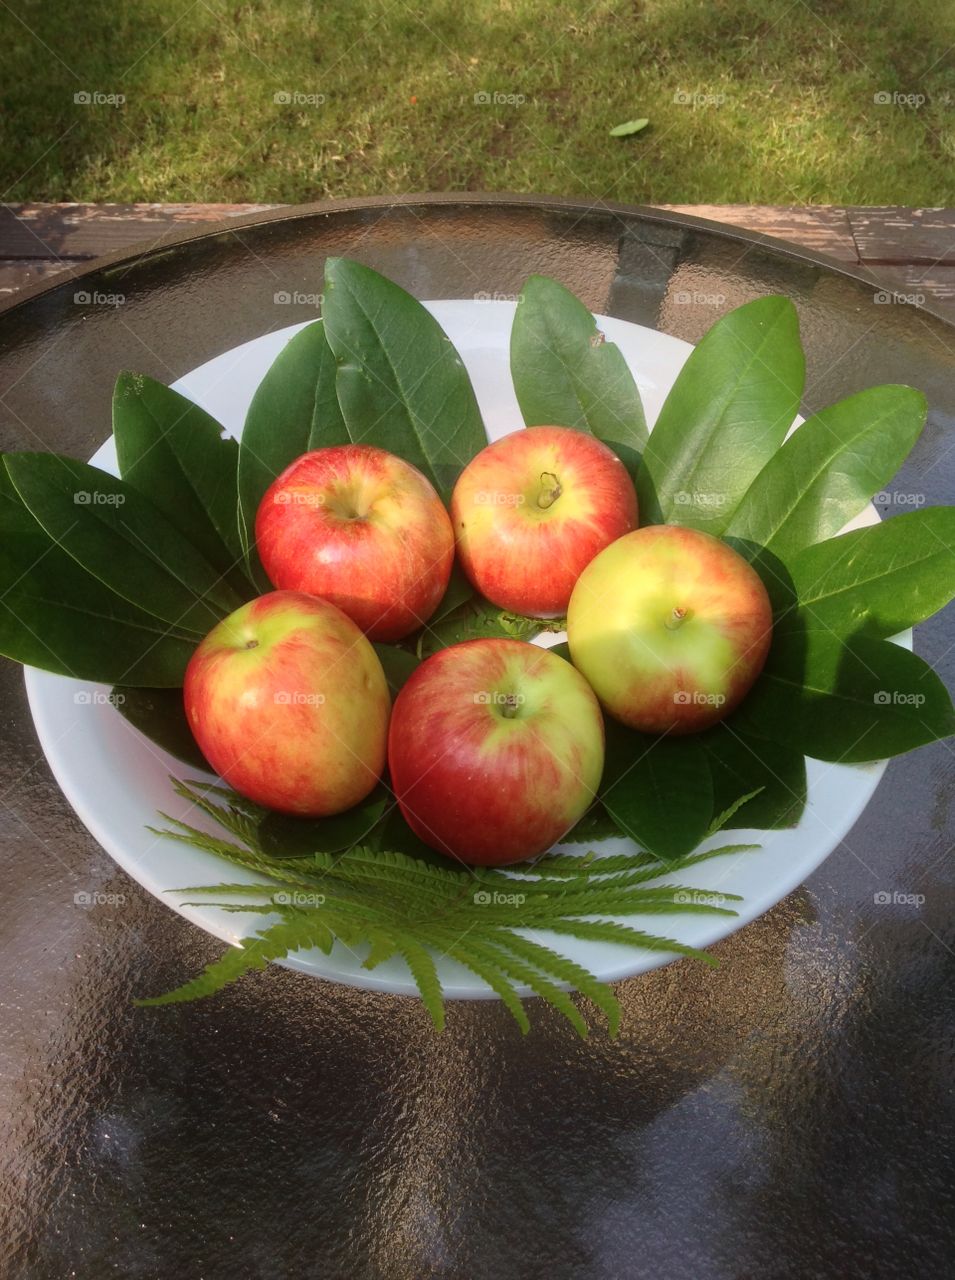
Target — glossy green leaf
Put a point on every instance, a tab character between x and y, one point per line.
284	836
658	790
119	537
397	664
849	701
459	591
827	471
741	762
175	454
55	616
401	384
478	619
595	825
880	580
294	409
565	374
725	417
160	716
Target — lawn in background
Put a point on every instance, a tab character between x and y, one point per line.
765	101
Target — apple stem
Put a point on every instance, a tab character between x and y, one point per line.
549	494
509	709
677	618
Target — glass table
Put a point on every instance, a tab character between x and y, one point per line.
787	1116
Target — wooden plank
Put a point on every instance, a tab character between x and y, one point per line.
822	229
920	285
81	231
893	235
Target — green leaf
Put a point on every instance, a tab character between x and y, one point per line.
160	716
741	762
397	664
401	384
724	418
880	580
119	537
56	616
595	825
175	454
566	375
658	790
827	471
294	410
853	701
480	620
631	126
280	835
459	591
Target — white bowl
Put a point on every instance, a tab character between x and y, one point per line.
117	780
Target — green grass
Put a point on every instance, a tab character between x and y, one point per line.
787	113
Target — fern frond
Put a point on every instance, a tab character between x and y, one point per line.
721	819
533	978
612	931
565	970
273	943
487	972
421	963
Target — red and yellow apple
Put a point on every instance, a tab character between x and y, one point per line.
362	528
289	704
533	509
671	627
495	749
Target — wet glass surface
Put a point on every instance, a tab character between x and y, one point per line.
787	1116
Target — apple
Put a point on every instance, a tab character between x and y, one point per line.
495	749
533	509
671	627
289	704
362	528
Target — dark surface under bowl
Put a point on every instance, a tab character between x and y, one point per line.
787	1116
